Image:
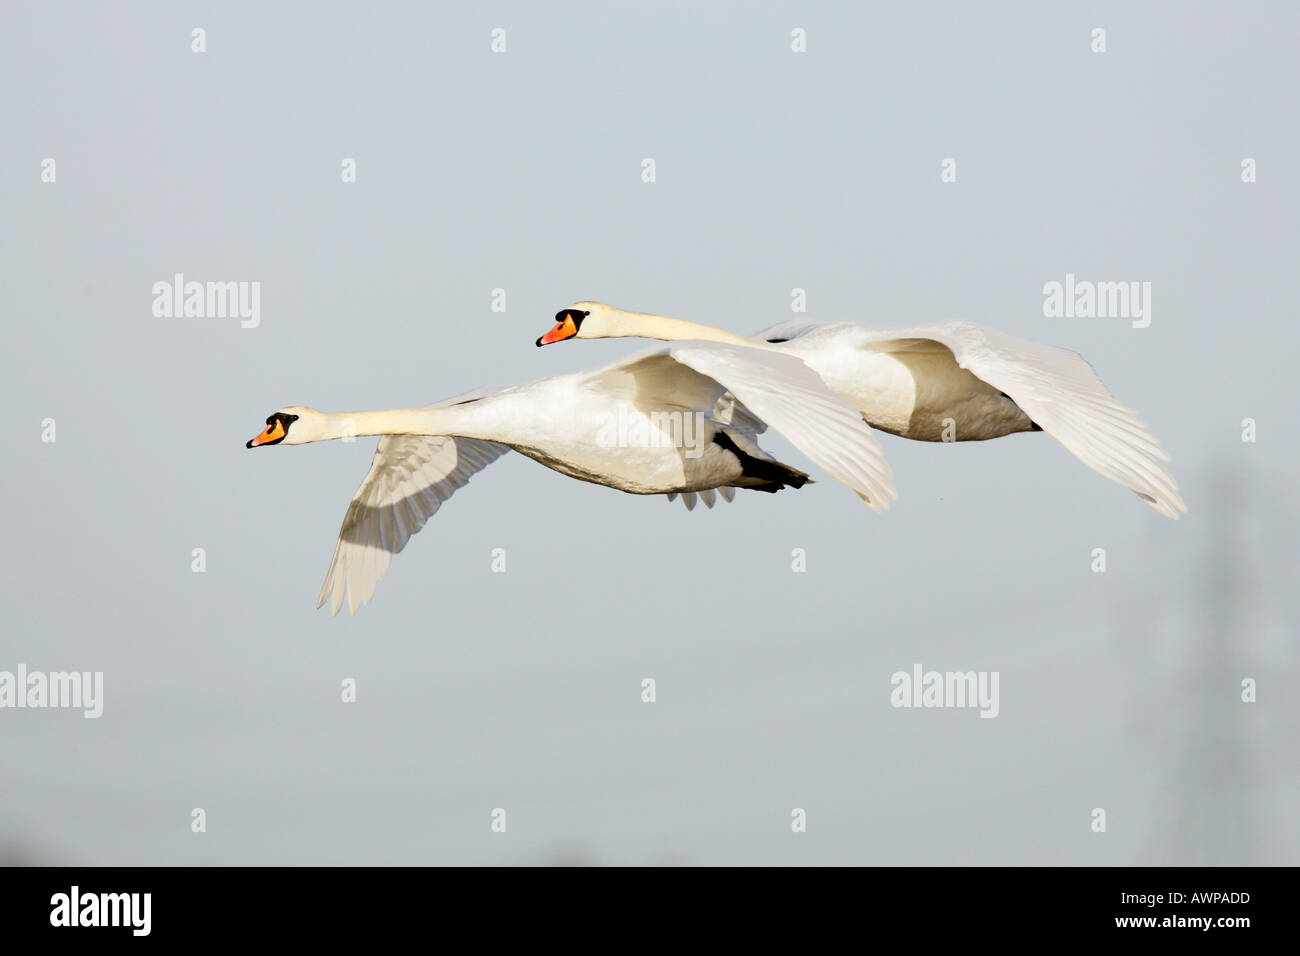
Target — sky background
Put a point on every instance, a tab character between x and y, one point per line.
522	171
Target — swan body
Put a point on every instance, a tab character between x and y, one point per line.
910	386
721	396
944	381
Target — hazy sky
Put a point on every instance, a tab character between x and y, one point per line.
522	171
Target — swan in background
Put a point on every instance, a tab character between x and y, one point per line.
939	382
564	422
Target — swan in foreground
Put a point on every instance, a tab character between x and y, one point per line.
682	419
939	382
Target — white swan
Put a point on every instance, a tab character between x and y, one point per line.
680	419
939	382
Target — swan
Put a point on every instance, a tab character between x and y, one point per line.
943	381
695	411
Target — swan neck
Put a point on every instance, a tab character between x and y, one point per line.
664	327
403	421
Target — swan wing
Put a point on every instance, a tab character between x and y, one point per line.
409	479
789	329
776	388
1061	393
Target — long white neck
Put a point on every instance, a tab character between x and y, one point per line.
446	420
650	326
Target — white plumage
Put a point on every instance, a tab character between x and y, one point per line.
427	454
944	381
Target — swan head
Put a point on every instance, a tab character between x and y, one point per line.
291	425
584	320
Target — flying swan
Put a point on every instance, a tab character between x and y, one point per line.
564	422
942	381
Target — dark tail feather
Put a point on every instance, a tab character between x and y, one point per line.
773	474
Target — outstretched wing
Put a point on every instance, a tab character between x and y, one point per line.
777	389
409	479
1063	395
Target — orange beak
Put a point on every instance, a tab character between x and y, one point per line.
563	330
274	432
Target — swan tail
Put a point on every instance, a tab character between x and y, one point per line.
768	475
